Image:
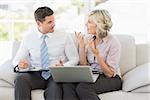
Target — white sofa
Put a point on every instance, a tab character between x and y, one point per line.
134	70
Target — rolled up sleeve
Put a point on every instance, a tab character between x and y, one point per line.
21	54
113	56
71	52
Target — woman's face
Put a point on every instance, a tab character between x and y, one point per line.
91	26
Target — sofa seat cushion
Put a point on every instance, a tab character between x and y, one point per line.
7	93
121	95
36	94
6	73
138	77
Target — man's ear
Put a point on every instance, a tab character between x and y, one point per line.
38	22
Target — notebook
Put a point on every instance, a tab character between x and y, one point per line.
31	69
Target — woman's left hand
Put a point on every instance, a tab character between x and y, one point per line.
92	46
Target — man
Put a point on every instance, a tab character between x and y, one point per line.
40	48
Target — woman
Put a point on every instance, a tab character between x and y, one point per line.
102	53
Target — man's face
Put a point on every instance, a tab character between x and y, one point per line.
47	25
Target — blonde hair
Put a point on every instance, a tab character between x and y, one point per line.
103	22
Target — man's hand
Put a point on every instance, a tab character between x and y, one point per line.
60	63
23	64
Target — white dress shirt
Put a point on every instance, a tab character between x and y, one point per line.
60	46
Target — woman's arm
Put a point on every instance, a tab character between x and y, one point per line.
107	69
71	52
82	55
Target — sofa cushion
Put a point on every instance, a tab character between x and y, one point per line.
37	94
4	83
136	78
6	72
144	89
121	95
6	93
128	53
142	53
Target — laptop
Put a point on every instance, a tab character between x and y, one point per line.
73	74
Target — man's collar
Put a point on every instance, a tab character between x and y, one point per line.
41	34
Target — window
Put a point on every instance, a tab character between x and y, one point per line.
17	15
4	31
129	17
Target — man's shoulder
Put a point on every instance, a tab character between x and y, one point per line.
30	33
60	34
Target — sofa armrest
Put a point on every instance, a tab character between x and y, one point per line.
136	78
7	72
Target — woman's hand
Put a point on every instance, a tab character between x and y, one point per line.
80	38
92	46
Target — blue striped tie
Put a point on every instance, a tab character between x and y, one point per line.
44	58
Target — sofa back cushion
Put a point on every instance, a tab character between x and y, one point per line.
15	48
142	54
128	52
